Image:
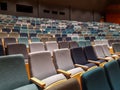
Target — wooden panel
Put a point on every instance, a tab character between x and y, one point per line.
113	14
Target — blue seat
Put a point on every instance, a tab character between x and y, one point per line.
79	57
91	55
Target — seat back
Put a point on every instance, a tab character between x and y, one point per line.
41	65
73	44
12	72
23	40
99	51
8	41
95	80
36	46
35	39
116	47
1	50
112	70
106	50
90	53
63	44
70	84
51	46
17	49
63	59
14	35
78	56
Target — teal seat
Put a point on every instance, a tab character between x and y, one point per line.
112	70
35	39
23	40
13	74
81	43
88	43
95	80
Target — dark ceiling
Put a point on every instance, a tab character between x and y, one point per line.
96	5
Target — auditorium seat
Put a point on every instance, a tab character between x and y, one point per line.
23	40
80	59
73	44
116	48
13	74
91	56
3	34
81	43
51	46
44	39
24	35
107	52
43	71
64	63
95	80
100	53
14	35
18	49
32	35
70	84
35	39
112	70
63	44
2	50
8	41
36	46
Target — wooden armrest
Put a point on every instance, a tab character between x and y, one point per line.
114	55
96	62
64	72
38	82
82	66
103	58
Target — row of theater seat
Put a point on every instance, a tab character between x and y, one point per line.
45	75
101	51
63	44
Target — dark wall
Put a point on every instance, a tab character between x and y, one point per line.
81	10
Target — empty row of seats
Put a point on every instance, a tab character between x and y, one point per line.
14	76
45	76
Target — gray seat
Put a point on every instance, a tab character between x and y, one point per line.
51	46
43	69
36	46
13	74
107	52
8	41
63	44
63	61
18	49
100	53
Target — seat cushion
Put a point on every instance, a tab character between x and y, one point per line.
90	65
70	84
52	79
75	70
27	87
101	61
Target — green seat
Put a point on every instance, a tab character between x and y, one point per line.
23	40
35	39
81	43
13	74
112	70
95	80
